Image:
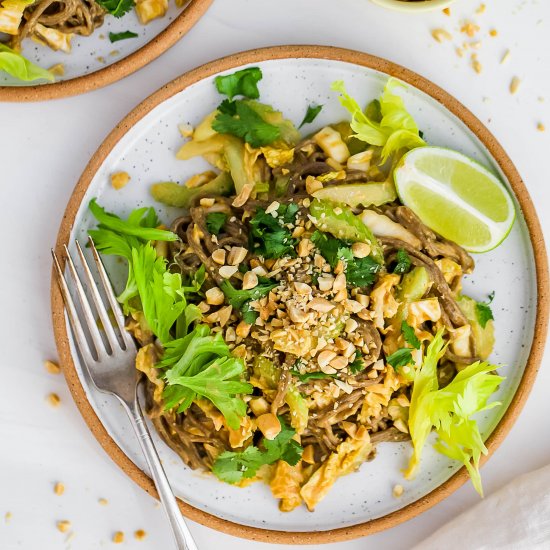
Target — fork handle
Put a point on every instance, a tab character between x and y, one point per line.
182	535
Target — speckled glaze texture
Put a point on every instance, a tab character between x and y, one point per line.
95	62
144	144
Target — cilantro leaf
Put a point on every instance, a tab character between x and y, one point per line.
357	365
403	262
116	36
359	271
409	335
246	124
283	447
233	467
311	114
400	358
484	313
215	221
268	235
243	82
310	375
118	8
240	299
327	246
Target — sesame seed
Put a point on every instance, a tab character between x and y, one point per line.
118	537
59	488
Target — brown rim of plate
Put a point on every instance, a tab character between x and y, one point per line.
194	10
364	60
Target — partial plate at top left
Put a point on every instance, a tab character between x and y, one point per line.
93	61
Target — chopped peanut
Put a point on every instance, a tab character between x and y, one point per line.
63	525
514	85
269	425
119	180
250	280
398	491
214	296
53	399
441	35
140	534
51	367
227	271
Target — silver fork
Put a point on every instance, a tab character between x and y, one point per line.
111	367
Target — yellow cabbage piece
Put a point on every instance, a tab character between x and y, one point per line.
349	455
286	484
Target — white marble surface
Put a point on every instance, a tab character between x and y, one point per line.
43	149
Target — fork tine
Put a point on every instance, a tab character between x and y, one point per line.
80	337
111	296
112	338
86	309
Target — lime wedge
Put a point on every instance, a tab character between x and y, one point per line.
455	197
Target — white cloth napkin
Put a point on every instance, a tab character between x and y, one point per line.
515	517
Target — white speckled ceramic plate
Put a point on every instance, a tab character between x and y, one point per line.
144	145
94	61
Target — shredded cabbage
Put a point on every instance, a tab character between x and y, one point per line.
449	411
19	67
11	14
396	129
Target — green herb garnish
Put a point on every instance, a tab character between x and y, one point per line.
400	358
233	467
403	262
246	124
243	82
360	272
269	236
117	8
116	36
358	364
240	299
215	221
484	313
310	375
409	335
311	114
